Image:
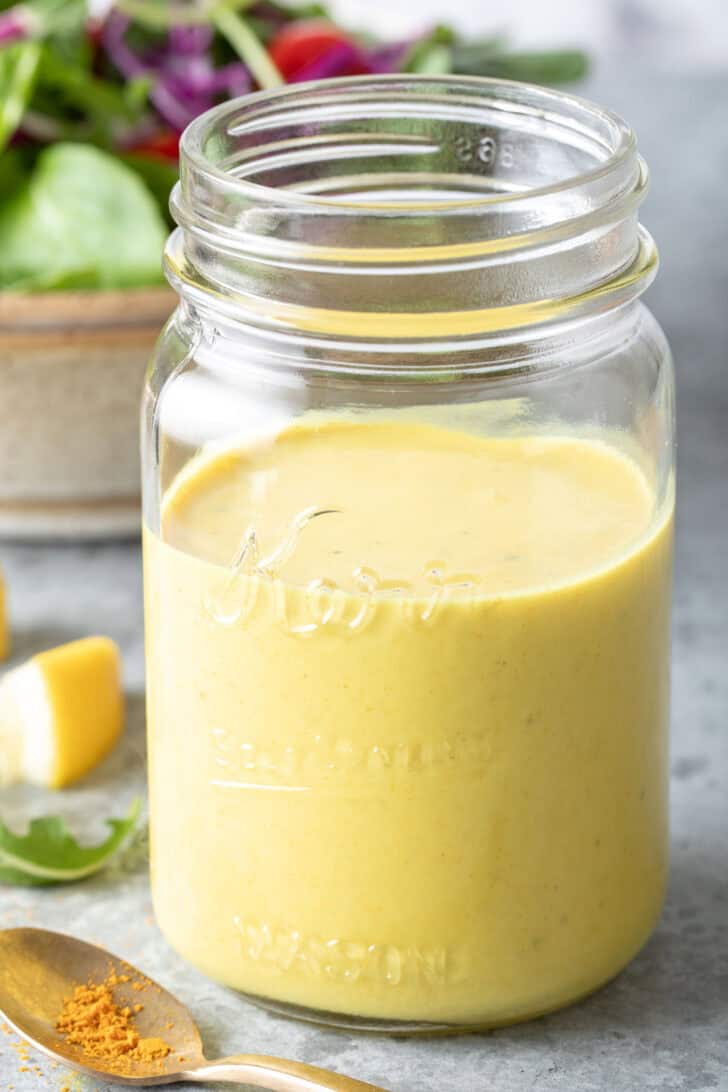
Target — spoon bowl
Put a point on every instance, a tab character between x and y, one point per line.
39	969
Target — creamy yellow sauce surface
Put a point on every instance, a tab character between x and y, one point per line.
408	693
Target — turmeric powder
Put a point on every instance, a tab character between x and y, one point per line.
92	1020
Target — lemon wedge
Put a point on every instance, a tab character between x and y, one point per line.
4	629
61	713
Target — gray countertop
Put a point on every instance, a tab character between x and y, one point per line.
663	1024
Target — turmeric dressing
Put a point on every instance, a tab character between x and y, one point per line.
407	709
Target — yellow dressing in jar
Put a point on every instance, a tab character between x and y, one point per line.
408	691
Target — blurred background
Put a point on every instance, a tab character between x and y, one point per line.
662	64
654	33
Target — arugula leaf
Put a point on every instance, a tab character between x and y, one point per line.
49	854
248	47
435	60
82	218
550	67
102	102
18	72
431	54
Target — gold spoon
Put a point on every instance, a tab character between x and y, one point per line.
39	969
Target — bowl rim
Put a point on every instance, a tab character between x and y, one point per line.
44	312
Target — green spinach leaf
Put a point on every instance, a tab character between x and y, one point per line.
84	219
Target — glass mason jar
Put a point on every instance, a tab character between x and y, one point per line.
408	512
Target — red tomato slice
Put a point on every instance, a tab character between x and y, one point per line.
299	44
164	145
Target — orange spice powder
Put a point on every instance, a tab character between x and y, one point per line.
92	1020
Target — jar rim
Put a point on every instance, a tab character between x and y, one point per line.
409	202
519	94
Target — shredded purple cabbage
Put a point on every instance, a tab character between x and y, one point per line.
113	37
233	78
186	77
197	80
389	58
185	81
191	41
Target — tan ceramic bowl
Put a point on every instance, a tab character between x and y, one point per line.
71	372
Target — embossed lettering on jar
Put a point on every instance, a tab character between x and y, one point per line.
408	522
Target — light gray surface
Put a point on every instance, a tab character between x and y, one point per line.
664	1023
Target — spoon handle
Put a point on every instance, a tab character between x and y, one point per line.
277	1075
